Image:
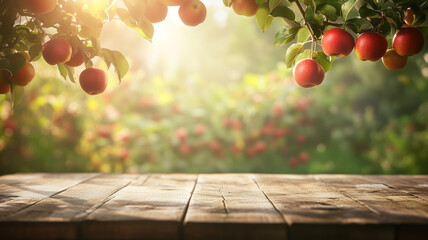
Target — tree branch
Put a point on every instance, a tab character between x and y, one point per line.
306	22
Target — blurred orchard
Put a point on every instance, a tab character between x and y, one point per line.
219	98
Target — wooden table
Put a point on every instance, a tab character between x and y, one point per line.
213	206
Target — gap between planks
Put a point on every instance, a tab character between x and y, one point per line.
87	178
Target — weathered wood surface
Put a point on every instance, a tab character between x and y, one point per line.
228	206
213	206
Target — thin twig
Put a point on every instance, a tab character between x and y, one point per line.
306	23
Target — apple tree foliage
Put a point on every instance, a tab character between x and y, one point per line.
305	21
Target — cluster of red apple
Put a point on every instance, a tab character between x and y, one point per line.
59	51
191	12
372	46
56	51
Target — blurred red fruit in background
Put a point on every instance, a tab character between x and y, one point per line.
199	129
181	134
303	156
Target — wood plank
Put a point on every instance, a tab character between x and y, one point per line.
231	206
314	210
397	207
414	188
19	191
64	209
148	208
413	185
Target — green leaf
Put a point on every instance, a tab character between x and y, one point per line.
313	18
329	11
367	12
304	55
260	2
107	56
88	20
35	51
121	64
66	71
325	61
358	25
70	71
284	12
292	53
286	35
62	70
90	32
263	19
227	3
13	63
347	7
303	35
16	94
394	18
22	30
273	4
144	27
385	28
308	2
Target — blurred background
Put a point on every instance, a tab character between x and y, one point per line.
218	98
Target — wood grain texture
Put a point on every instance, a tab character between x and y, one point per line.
56	217
399	200
314	210
19	191
392	205
414	185
152	207
213	206
225	206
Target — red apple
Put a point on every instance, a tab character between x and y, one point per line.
308	73
393	61
245	7
156	10
192	13
93	81
76	59
57	51
371	46
408	41
337	42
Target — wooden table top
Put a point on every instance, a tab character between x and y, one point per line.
213	206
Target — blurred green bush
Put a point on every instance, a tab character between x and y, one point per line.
362	119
